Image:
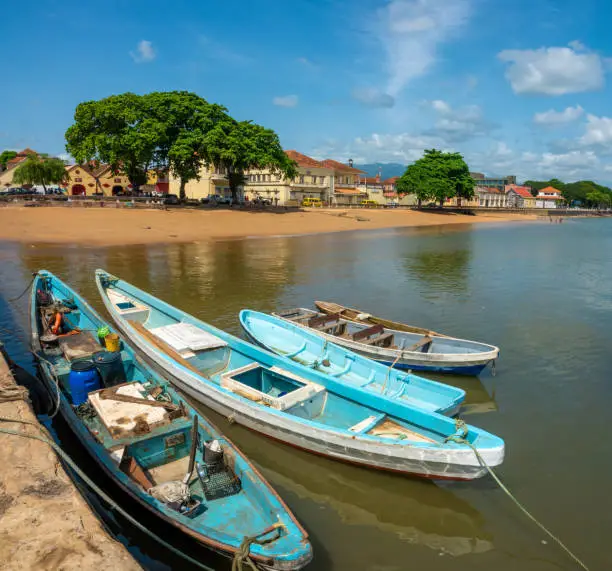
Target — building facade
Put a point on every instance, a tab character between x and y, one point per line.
493	182
346	188
549	197
6	176
212	181
519	197
490	197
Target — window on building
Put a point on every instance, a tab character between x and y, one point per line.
301	179
278	177
78	180
267	178
117	180
314	179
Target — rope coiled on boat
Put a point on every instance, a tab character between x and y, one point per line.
460	437
242	556
94	487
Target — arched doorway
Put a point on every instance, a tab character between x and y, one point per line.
117	189
78	190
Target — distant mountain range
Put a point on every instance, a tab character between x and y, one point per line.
387	170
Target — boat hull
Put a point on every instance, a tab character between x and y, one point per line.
294	562
444	463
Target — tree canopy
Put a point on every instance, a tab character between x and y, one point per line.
175	131
5	157
41	169
437	176
585	192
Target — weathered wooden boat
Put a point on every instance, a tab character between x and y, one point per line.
331	308
291	403
149	440
305	347
399	349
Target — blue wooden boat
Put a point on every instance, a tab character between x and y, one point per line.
414	349
289	402
306	348
151	442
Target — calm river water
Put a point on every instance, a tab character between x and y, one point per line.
539	291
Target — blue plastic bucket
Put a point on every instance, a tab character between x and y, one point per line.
83	379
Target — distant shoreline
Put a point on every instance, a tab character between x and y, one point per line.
112	227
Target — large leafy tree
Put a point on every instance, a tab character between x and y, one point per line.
186	119
41	169
437	176
119	130
5	157
241	145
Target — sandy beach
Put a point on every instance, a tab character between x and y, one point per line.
109	226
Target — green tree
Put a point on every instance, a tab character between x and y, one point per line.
119	130
239	146
186	120
41	169
437	176
5	157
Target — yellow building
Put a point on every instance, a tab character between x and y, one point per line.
100	180
6	176
212	181
314	180
347	188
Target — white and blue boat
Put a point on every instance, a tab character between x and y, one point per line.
291	403
418	351
151	442
306	348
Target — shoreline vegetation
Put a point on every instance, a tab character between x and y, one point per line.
113	227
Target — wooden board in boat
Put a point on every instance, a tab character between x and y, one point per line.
395	430
362	317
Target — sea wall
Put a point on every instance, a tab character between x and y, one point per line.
45	524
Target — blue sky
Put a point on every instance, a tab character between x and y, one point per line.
518	87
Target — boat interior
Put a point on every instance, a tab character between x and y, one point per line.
148	432
269	385
377	335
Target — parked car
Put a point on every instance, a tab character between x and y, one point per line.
261	201
369	203
15	191
171	199
312	202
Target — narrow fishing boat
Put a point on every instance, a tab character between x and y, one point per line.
151	442
294	404
305	347
331	308
401	349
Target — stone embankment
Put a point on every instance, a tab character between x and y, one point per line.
45	524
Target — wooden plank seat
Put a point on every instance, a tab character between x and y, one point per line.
364	334
384	340
424	344
320	321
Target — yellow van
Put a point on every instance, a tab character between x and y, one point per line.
313	202
369	203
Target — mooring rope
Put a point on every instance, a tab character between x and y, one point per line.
242	556
13	300
461	439
93	486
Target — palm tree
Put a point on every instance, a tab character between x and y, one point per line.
41	169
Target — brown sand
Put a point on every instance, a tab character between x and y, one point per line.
110	226
45	523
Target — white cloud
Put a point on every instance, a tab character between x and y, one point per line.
458	124
286	101
553	71
144	52
552	117
412	31
373	97
598	131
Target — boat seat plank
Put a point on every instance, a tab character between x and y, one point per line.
421	343
383	340
391	429
164	347
369	332
320	321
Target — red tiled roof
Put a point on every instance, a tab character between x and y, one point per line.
303	160
391	180
331	164
522	191
490	190
371	180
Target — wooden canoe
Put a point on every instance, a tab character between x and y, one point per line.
358	316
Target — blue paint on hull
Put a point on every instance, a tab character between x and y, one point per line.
470	370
